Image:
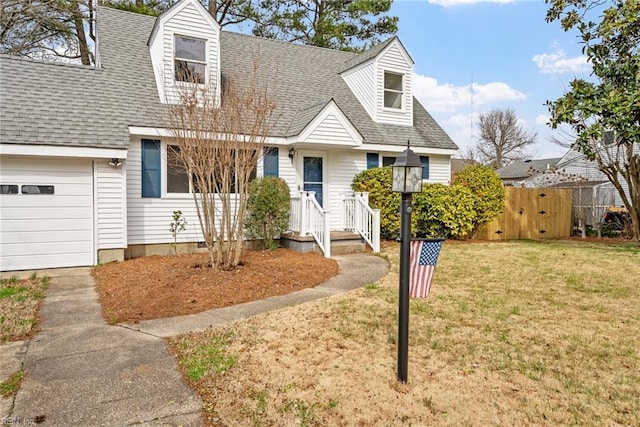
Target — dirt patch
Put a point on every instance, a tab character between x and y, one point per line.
166	286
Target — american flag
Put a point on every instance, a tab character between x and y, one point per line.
422	262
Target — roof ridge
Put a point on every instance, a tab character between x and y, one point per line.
368	54
115	9
290	43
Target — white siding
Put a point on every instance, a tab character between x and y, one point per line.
148	219
576	163
46	230
439	169
361	82
393	60
191	22
110	205
287	171
330	131
343	166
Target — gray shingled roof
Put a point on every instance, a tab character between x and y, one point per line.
367	55
44	103
526	168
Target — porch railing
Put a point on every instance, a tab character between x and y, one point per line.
360	218
308	217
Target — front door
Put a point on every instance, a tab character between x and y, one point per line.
313	174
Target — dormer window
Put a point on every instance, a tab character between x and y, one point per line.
393	90
190	59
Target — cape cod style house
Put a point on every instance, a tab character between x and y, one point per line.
83	150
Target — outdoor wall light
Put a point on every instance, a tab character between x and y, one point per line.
115	162
292	152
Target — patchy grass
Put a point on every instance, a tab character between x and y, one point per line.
204	358
513	333
19	303
11	386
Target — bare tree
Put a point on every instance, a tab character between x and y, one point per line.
48	29
502	139
219	146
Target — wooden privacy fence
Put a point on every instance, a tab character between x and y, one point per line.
531	213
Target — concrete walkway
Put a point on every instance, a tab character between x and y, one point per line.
82	372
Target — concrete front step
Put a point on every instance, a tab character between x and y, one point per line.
342	242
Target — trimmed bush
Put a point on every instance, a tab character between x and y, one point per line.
268	210
444	211
377	182
486	185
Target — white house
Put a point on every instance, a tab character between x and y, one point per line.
577	164
83	150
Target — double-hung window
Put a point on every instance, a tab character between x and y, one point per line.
158	163
393	90
190	59
177	175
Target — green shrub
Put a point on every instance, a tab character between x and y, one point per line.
268	210
377	182
444	211
486	185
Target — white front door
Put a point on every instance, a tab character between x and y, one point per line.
313	170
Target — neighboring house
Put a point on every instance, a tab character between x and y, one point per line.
76	142
520	174
577	164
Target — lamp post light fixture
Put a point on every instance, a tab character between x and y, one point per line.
407	179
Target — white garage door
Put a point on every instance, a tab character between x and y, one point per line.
46	213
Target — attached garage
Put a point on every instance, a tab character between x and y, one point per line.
46	212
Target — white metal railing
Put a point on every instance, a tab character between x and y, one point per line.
360	218
308	217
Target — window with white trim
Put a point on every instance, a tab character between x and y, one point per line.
177	179
393	87
177	175
190	59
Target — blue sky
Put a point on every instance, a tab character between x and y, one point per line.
494	54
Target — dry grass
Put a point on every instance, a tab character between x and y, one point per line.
19	303
518	333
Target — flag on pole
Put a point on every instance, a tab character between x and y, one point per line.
422	263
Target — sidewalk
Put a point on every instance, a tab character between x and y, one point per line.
82	372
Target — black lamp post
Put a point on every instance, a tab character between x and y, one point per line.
407	179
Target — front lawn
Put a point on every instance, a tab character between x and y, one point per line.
513	333
19	304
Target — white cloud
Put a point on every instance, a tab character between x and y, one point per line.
490	93
452	3
460	120
558	62
542	119
448	97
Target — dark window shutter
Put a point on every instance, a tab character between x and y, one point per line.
270	161
150	168
372	160
425	166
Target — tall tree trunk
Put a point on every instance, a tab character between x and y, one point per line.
78	22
